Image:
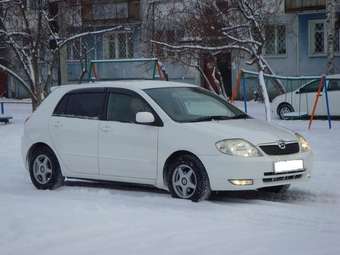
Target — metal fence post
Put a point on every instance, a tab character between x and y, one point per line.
244	94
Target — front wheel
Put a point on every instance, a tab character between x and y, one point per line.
44	169
188	179
283	109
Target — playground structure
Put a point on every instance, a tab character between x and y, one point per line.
247	80
120	69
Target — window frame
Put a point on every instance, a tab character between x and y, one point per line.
114	37
301	90
81	91
276	38
158	121
311	33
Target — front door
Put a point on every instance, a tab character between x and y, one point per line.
307	94
127	149
74	130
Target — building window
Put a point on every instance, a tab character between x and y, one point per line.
317	37
275	43
120	45
74	50
110	10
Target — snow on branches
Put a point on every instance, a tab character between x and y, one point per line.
215	26
32	36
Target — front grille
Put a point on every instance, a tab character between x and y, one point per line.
282	178
274	149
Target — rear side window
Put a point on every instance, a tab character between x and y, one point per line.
81	105
61	107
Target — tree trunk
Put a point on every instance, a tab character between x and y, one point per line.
265	95
330	25
262	66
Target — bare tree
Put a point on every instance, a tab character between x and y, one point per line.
215	26
33	38
330	25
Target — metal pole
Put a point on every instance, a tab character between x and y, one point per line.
2	108
326	82
244	94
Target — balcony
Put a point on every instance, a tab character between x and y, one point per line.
110	11
304	5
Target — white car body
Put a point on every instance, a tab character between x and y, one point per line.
115	151
302	99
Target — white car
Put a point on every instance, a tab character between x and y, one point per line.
301	100
173	136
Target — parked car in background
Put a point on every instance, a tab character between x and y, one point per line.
174	136
301	100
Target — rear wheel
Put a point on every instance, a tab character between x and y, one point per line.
276	189
283	109
187	179
44	169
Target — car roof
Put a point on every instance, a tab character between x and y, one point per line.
131	84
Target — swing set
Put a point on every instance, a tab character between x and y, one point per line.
290	84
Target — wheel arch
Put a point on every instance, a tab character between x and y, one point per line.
34	147
283	104
172	157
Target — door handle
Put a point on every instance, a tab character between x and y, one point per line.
57	124
105	128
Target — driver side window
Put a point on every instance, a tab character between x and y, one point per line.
311	88
124	107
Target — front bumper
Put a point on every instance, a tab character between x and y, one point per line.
222	168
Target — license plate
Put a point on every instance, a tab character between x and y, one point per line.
288	166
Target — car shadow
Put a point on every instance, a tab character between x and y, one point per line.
291	196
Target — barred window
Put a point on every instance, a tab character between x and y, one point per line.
317	37
337	40
275	40
120	45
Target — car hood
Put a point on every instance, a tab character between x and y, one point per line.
252	130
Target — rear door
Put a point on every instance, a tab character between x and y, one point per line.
74	129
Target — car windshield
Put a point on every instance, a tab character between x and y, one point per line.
191	104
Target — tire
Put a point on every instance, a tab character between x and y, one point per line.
188	179
276	189
44	169
284	108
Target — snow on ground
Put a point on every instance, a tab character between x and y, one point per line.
85	218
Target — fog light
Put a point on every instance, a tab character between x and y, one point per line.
242	182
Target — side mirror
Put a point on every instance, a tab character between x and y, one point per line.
145	118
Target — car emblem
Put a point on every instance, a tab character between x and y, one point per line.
282	145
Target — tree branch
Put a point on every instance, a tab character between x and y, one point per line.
16	76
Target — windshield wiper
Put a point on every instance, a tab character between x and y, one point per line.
240	116
210	118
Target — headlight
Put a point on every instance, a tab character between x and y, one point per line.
304	145
238	147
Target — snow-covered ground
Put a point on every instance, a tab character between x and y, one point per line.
85	218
